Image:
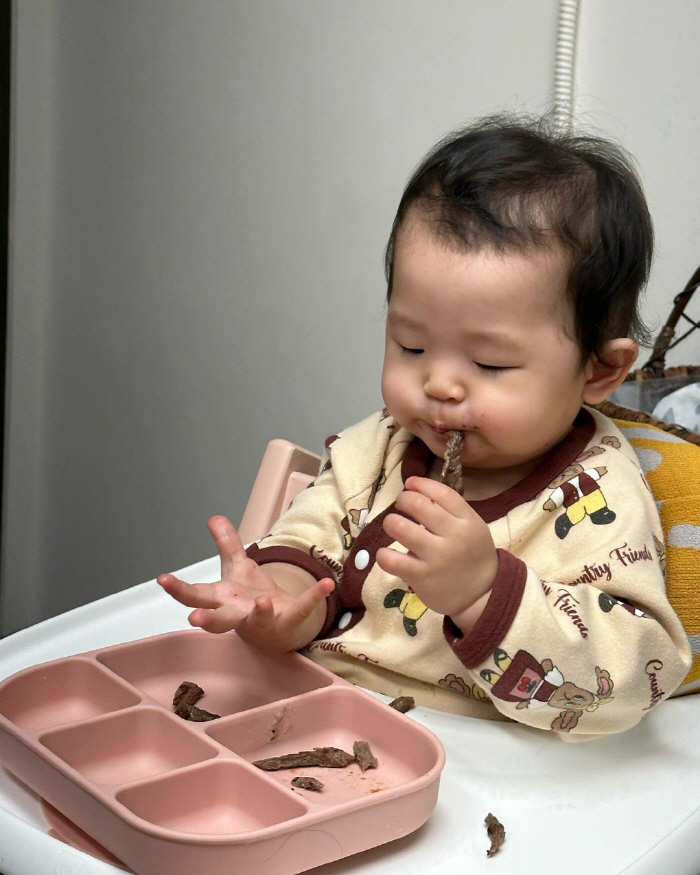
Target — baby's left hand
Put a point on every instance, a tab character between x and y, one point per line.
451	560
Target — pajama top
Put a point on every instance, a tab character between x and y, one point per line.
577	635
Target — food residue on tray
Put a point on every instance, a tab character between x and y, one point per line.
496	833
184	702
306	782
278	726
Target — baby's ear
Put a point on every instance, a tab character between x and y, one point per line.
607	372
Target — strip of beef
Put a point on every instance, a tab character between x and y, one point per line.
364	756
451	474
327	757
184	703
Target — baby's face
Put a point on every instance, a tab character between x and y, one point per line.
477	342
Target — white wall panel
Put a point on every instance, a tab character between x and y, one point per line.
201	196
638	71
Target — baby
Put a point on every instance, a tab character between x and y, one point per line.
514	268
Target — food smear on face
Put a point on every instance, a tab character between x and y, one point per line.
184	703
451	474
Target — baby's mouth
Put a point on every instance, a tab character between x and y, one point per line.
443	430
440	433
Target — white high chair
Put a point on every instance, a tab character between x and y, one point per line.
560	803
285	470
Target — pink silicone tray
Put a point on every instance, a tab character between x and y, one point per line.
94	735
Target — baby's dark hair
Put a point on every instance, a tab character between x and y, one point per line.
510	183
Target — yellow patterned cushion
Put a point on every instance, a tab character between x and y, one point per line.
672	468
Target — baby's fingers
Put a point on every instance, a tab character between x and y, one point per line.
442	495
219	620
192	595
414	537
228	543
424	511
306	603
409	568
267	622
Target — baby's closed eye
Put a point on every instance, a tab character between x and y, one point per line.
494	368
408	350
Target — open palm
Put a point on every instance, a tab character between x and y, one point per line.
246	598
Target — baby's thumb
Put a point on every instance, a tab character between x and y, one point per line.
309	600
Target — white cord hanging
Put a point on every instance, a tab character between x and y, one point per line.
565	63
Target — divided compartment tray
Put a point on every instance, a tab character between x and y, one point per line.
95	736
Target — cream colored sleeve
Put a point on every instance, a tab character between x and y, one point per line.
578	635
310	533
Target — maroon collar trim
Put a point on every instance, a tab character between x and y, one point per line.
418	458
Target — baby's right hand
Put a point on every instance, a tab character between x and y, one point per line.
246	599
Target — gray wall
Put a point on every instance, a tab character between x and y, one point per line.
201	195
638	72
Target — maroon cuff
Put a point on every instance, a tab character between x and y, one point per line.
496	618
292	556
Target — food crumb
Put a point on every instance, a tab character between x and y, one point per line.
306	782
496	833
403	703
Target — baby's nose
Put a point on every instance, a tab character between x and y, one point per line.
445	386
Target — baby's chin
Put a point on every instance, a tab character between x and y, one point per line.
515	467
479	455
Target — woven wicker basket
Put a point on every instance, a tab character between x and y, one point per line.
666	379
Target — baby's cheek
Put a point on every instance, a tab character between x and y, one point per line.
504	416
388	392
523	412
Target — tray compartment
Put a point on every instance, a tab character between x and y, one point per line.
61	692
234	676
223	797
95	736
336	717
128	746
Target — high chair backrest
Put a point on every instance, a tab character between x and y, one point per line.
285	470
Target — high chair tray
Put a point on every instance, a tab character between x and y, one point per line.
95	736
627	804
